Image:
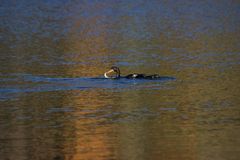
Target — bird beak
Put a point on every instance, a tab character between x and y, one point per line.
110	71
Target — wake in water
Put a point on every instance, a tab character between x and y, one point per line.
24	83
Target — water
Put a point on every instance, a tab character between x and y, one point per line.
55	103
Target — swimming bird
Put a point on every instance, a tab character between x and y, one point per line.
114	73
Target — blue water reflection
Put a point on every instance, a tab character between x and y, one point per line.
51	107
31	83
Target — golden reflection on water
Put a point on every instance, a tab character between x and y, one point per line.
192	121
194	117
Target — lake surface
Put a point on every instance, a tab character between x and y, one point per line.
55	103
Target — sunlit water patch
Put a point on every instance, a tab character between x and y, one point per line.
48	114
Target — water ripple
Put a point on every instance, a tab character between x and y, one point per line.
29	83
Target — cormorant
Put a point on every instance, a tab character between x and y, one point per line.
117	74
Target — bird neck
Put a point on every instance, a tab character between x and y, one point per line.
105	75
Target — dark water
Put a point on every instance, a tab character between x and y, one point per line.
54	103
